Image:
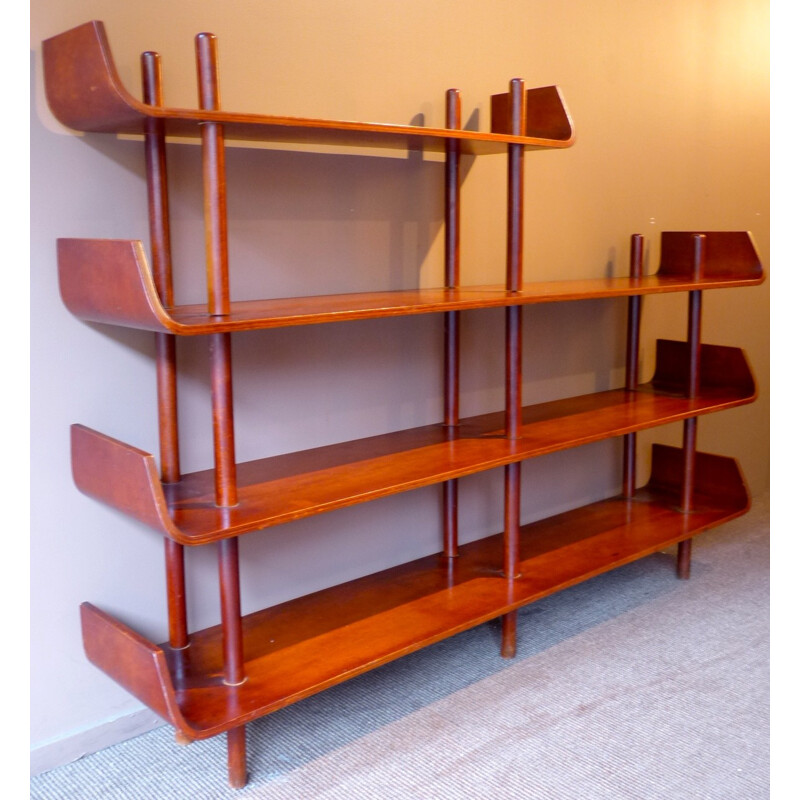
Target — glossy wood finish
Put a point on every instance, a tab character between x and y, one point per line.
166	358
217	680
632	361
546	115
109	281
287	487
516	114
85	93
370	621
452	321
698	264
215	212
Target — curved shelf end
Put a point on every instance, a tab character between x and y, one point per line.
81	83
122	477
108	280
134	663
547	116
719	481
722	368
728	254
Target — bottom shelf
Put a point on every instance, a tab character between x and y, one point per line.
303	646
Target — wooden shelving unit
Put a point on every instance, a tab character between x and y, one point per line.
216	680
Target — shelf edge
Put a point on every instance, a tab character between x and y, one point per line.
85	93
110	281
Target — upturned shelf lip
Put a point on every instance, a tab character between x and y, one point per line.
283	488
109	281
432	599
85	93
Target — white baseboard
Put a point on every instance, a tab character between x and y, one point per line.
74	746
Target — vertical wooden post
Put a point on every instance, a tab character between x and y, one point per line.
692	388
166	360
632	363
215	212
513	409
452	208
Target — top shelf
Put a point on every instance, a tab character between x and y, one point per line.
85	93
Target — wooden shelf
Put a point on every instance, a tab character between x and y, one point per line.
370	621
288	487
85	93
109	281
218	679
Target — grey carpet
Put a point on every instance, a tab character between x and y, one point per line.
632	685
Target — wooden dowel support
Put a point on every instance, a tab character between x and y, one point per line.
450	533
216	230
512	521
237	757
222	411
214	182
176	594
684	560
516	155
508	634
166	358
452	212
231	610
516	125
693	338
632	362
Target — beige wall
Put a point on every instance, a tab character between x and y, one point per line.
670	103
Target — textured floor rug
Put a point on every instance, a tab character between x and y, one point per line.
632	685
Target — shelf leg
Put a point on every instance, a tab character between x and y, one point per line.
231	610
684	562
516	153
452	200
215	208
632	363
508	645
683	566
237	758
166	359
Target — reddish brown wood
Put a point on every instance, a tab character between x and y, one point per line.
720	369
452	216
547	115
230	604
516	124
452	202
85	93
283	488
109	281
214	183
157	184
132	661
508	635
175	568
726	253
166	363
368	622
632	361
693	379
237	757
684	560
233	673
225	492
516	113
